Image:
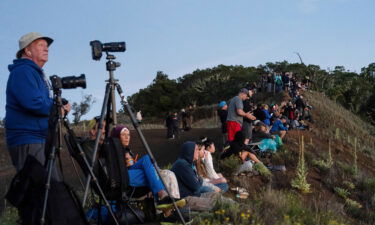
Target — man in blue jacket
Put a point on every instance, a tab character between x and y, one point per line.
28	100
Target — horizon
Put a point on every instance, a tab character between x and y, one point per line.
181	37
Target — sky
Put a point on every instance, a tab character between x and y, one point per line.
180	36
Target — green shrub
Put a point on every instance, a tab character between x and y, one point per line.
322	165
342	192
346	169
229	165
262	169
352	203
349	185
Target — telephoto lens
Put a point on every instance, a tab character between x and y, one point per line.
73	82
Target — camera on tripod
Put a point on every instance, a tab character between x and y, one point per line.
98	48
68	82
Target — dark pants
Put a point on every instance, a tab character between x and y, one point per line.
19	153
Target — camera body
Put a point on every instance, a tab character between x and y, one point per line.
69	82
98	48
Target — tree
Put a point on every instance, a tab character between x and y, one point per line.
82	108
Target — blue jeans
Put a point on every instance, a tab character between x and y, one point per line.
223	186
143	173
204	189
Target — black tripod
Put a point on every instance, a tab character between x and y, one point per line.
54	145
54	142
108	108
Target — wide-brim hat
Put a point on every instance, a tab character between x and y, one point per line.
28	38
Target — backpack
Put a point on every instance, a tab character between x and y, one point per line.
27	193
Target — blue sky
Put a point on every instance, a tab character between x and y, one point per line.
179	36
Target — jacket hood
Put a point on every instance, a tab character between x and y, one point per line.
187	151
24	62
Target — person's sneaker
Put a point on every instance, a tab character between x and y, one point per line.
167	203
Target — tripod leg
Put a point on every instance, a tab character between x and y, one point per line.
103	112
90	169
127	107
50	164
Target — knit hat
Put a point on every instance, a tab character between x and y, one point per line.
118	130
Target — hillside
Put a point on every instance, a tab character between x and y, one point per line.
350	177
343	193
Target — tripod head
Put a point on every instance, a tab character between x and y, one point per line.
111	65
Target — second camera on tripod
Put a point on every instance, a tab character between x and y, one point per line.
68	82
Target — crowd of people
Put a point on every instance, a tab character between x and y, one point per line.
247	129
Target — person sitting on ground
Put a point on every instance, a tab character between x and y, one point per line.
266	140
189	183
267	115
206	170
279	128
209	149
142	172
306	115
260	132
258	113
238	147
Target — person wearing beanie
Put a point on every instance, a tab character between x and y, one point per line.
142	172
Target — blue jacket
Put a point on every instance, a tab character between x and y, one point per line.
188	181
277	126
27	104
267	115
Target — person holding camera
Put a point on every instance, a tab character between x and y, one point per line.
28	100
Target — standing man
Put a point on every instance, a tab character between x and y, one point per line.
236	113
28	100
222	111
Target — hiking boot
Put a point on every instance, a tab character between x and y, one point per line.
175	218
167	203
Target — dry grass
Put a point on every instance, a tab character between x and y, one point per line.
340	123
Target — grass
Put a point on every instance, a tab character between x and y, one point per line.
9	216
270	207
